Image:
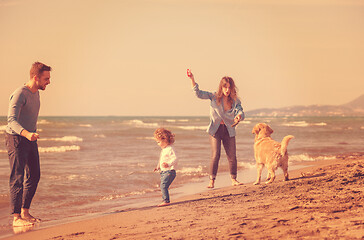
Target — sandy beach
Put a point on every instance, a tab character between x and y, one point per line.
323	201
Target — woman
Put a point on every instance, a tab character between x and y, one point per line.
225	110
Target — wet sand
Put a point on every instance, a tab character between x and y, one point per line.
324	201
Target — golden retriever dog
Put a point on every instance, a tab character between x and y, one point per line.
270	153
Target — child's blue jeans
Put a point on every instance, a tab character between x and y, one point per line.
167	178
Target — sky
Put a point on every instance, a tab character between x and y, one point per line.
129	57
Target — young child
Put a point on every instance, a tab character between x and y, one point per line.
167	162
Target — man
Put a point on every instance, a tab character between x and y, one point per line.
21	142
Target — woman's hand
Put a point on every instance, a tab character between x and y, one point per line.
192	79
191	76
237	120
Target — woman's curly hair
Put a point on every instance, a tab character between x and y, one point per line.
164	135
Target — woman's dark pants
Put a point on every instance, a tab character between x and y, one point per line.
222	135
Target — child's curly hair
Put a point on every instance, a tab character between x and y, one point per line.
164	135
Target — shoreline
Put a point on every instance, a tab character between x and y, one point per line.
247	175
125	223
184	191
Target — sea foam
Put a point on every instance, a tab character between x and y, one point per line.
177	120
63	139
72	177
303	124
307	158
320	124
85	125
99	136
140	123
247	165
190	170
135	193
43	121
296	124
193	127
59	149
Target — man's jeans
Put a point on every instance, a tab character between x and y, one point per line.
24	162
167	178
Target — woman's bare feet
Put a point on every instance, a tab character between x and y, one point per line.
164	204
211	184
235	182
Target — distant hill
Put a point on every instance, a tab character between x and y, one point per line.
353	108
357	103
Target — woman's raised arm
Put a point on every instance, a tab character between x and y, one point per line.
198	92
190	75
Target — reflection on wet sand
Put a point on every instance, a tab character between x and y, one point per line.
23	229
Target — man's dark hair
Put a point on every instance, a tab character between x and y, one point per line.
38	68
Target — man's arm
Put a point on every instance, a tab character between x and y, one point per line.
17	101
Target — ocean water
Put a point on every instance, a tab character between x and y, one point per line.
96	165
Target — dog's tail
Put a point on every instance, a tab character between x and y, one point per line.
284	144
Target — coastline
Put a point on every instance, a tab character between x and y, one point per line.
183	191
321	200
246	175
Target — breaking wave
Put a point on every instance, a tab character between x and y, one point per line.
296	124
247	165
307	158
135	193
85	125
59	149
43	121
177	120
193	127
190	170
99	136
63	139
140	124
303	124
